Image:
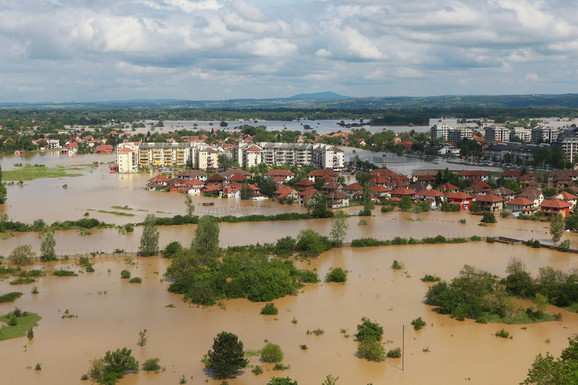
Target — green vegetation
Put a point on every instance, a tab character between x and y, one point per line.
113	366
47	247
142	338
336	275
271	353
10	297
502	333
19	322
371	242
85	262
394	353
64	273
149	241
557	227
488	217
125	274
257	370
311	243
151	365
22	255
555	371
118	213
39	225
339	228
30	172
226	357
282	381
206	242
316	332
369	335
396	265
135	280
172	250
418	323
430	278
269	309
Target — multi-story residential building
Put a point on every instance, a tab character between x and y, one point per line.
545	134
450	134
163	155
525	134
440	131
497	133
127	157
205	158
327	157
512	151
569	143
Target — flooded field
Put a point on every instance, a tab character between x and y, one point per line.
111	312
179	336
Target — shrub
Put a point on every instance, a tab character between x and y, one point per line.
172	250
430	278
418	323
257	370
113	366
151	365
565	245
369	331
476	238
365	242
10	297
336	275
397	265
488	217
394	353
125	274
387	209
502	334
135	280
489	239
271	353
280	366
371	351
307	276
269	309
282	381
64	273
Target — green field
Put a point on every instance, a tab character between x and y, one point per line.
24	323
35	172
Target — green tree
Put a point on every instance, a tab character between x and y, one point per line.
366	201
47	247
547	370
113	366
368	330
336	275
3	191
557	227
311	243
488	217
271	353
405	203
227	356
22	255
339	228
206	241
189	204
149	241
317	206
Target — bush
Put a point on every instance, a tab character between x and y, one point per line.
476	238
488	217
451	208
565	245
113	366
282	381
271	353
366	242
369	331
418	323
387	209
307	276
64	273
125	274
430	278
10	297
371	351
336	275
269	309
172	250
502	334
394	353
257	370
135	280
151	365
397	265
489	239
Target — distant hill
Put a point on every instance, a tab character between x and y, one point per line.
324	100
319	95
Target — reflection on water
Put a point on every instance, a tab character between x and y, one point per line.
179	336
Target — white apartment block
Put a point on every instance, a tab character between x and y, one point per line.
569	144
205	158
497	134
127	157
523	133
450	134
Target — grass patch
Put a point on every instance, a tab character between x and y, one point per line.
35	172
10	297
119	213
64	273
521	318
121	207
23	324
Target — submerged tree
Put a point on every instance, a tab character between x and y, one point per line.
47	248
206	241
557	227
227	356
3	191
189	204
339	228
149	241
22	255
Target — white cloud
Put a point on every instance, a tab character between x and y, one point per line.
532	76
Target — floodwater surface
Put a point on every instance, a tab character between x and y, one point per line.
111	312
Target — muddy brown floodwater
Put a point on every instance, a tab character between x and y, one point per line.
459	352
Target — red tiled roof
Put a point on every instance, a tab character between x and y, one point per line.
489	198
521	201
431	193
323	172
353	187
402	191
555	204
458	195
565	196
280	172
472	173
447	187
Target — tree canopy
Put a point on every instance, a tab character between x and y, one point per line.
227	356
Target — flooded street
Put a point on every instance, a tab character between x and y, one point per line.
179	336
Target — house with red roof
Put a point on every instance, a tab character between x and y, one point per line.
399	193
448	187
280	175
337	199
318	174
352	189
552	207
193	186
490	202
304	184
521	205
474	175
460	198
286	193
504	193
435	197
566	196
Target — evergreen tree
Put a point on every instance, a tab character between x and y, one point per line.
227	356
47	248
557	227
206	242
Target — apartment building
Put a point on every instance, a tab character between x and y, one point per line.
497	133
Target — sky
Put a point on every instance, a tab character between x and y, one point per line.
100	50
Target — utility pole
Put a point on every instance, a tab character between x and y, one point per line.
402	347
